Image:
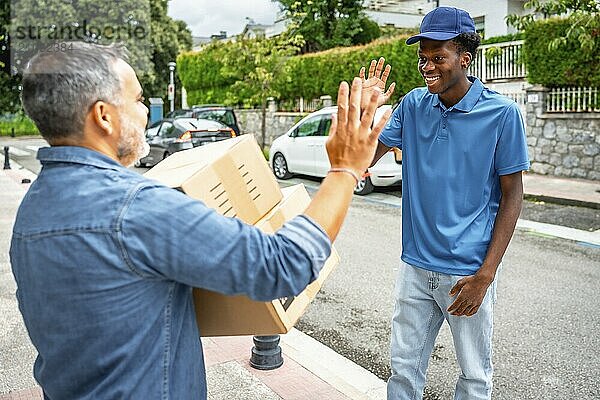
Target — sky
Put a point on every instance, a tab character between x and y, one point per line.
208	17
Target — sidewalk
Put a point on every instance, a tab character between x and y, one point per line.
310	370
577	192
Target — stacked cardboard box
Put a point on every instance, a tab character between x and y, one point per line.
233	177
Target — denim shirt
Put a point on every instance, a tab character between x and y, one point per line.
105	261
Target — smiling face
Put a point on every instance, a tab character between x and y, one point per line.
444	69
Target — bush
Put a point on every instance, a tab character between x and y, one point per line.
504	38
22	125
565	65
313	75
201	74
309	76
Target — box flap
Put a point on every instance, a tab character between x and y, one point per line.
294	202
195	159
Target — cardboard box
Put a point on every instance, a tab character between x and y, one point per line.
220	315
230	176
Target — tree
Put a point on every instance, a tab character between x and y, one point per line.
169	38
9	84
258	63
325	24
151	36
583	15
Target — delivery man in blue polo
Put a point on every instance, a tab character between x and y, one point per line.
463	150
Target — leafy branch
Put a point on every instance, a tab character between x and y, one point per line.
583	15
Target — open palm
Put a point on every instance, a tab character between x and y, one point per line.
375	81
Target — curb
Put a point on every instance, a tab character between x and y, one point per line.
561	201
344	375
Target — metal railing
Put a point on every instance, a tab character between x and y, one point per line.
499	61
308	105
519	96
575	99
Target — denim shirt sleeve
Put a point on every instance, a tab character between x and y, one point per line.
167	235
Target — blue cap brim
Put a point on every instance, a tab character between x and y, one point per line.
432	36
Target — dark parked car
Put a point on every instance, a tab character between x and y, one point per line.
215	112
168	136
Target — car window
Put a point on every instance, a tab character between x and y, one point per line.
166	130
325	125
151	132
224	116
310	127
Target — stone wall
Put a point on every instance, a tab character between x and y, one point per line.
562	144
277	123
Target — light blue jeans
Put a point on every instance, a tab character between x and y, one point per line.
421	303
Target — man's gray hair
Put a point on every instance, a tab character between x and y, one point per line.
62	83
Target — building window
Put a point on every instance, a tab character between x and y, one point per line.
480	25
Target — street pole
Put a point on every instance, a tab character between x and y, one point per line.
6	159
171	90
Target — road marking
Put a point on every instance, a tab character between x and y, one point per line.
35	148
563	232
18	152
375	197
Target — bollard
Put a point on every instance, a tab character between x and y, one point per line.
266	353
12	132
6	159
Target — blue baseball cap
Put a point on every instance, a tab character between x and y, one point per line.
444	23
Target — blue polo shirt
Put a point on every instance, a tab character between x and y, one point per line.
452	159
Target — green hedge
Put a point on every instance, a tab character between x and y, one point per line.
504	38
567	65
308	76
201	75
313	75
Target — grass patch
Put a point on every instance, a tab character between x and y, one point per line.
22	125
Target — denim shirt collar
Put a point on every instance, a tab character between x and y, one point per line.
76	155
468	101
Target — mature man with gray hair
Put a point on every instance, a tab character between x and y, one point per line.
104	283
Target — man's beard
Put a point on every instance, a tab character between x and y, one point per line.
132	143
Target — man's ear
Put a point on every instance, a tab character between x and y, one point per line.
465	59
104	117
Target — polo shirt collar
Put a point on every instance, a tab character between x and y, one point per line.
470	98
76	155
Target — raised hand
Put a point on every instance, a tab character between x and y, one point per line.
352	142
375	82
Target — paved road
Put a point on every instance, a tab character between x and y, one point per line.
546	341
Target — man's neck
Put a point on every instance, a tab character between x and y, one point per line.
453	96
101	146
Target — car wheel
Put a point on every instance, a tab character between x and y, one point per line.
167	154
139	164
280	168
365	186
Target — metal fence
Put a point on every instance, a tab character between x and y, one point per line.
300	105
499	61
519	96
576	99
